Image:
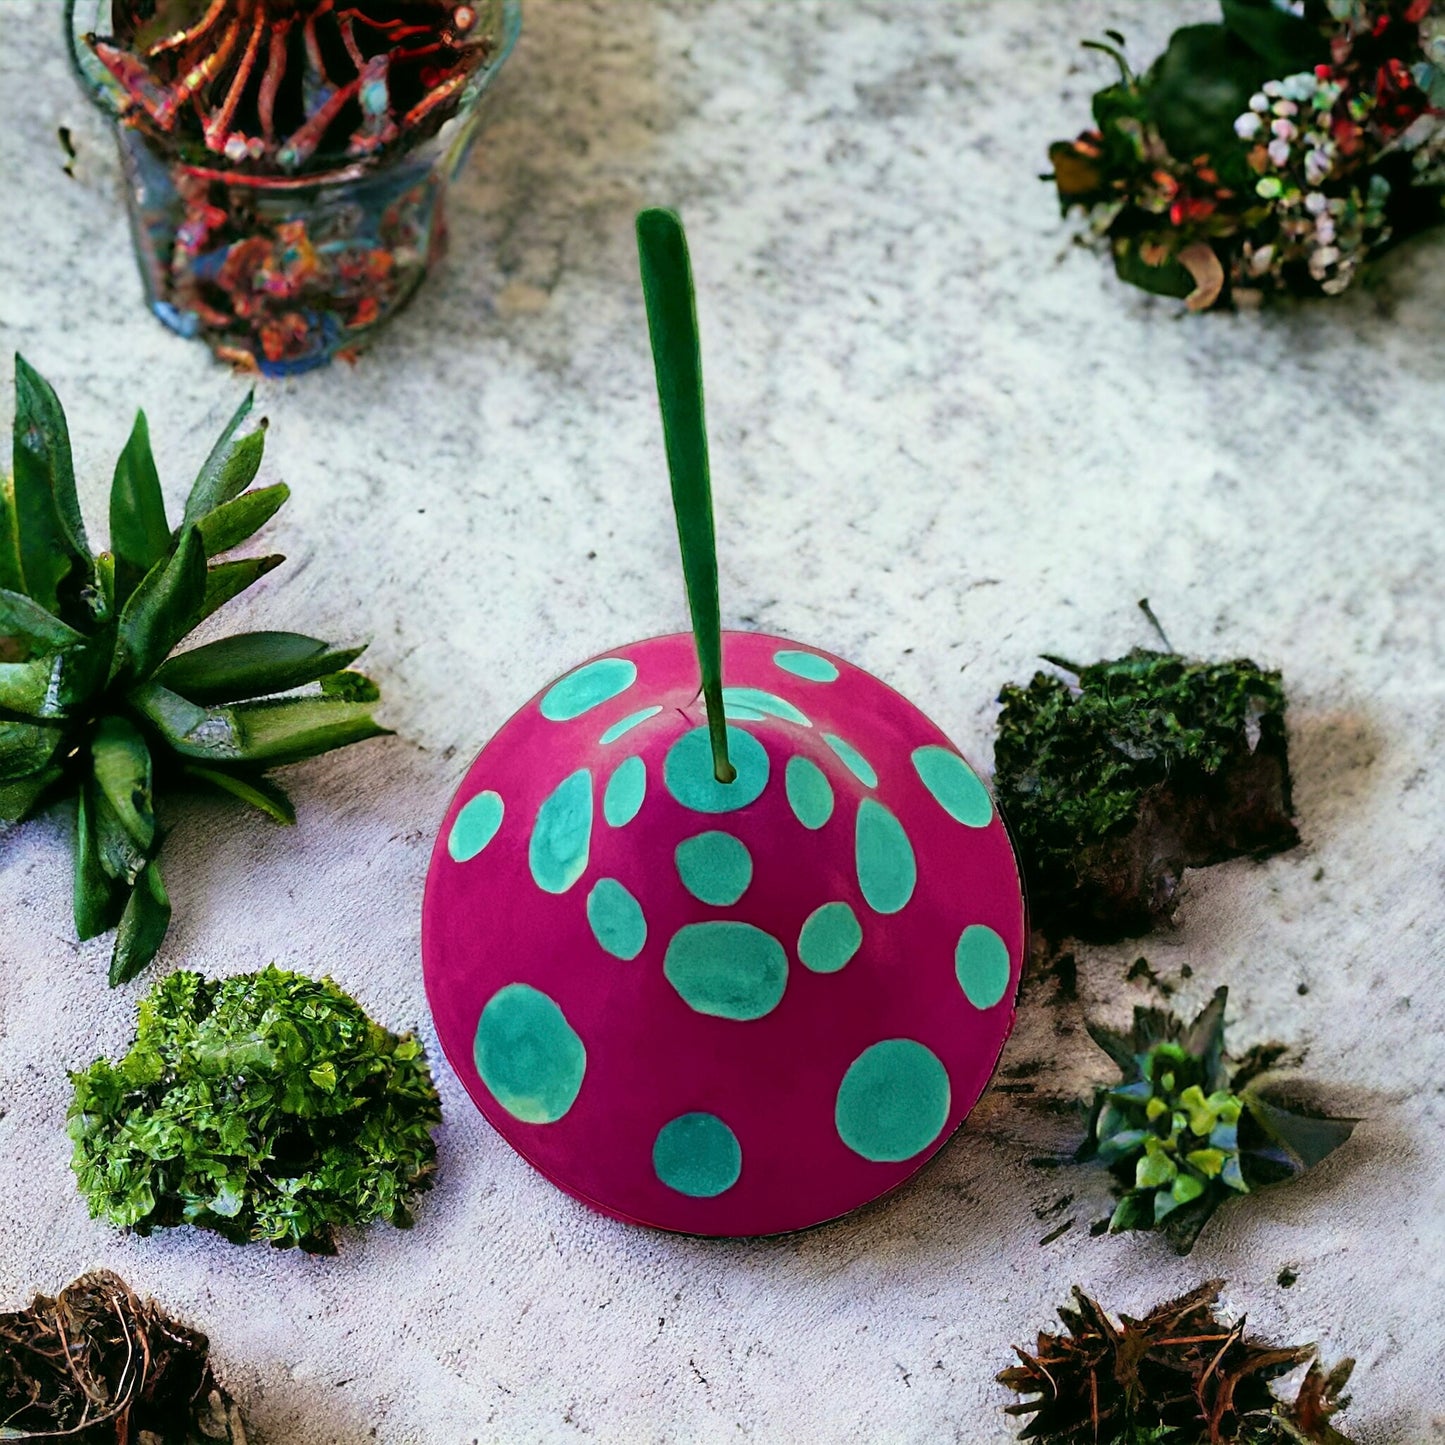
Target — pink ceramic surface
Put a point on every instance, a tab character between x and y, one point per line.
670	1072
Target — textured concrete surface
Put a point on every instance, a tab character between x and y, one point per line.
945	440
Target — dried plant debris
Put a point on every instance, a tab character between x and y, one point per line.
1271	152
267	1107
1181	1136
96	1366
1116	782
92	704
290	86
1179	1376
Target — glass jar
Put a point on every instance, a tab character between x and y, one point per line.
283	272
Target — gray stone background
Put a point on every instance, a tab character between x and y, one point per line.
945	440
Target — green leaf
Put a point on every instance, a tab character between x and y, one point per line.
1287	43
23	617
274	733
11	576
252	664
1306	1137
667	290
226	580
122	766
120	855
26	748
230	467
233	522
1199	87
351	686
19	798
191	730
1168	279
32	689
166	606
99	900
139	533
48	524
142	926
260	792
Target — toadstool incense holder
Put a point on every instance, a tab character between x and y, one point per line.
731	959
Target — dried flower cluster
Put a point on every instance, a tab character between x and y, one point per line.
1273	151
96	1366
1179	1376
288	86
267	1107
92	704
1116	782
1181	1136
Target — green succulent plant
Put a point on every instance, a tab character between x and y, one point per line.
1181	1136
94	706
267	1107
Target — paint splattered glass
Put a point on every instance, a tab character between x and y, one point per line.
287	240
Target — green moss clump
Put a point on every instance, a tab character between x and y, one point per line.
267	1107
1140	768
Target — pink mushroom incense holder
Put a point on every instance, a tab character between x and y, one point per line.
721	933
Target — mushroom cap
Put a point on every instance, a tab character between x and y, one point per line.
723	1009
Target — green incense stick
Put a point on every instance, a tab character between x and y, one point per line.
677	357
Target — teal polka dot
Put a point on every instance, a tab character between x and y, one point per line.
853	760
808	665
981	962
954	785
616	919
562	835
528	1055
688	772
754	701
626	724
697	1155
626	789
729	970
475	826
893	1101
830	937
715	868
810	794
887	870
588	687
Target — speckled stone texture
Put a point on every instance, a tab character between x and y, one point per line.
957	442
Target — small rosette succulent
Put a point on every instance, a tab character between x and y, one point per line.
93	704
1181	1137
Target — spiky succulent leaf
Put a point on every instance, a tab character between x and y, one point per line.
233	522
139	533
122	766
229	469
25	620
11	577
1177	1140
261	792
99	900
252	664
225	580
26	748
142	926
89	703
49	529
163	608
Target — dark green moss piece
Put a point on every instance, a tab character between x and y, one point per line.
1115	783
